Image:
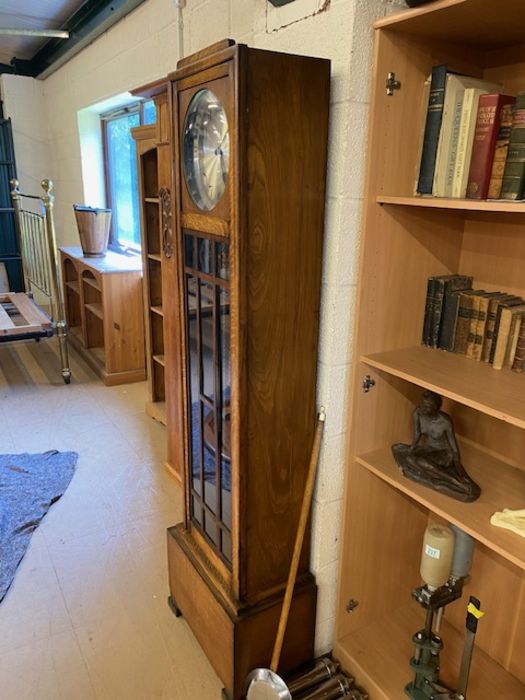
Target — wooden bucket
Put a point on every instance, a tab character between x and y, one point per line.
93	228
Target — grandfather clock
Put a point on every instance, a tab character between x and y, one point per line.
250	142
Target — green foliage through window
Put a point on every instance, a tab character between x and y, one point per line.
121	172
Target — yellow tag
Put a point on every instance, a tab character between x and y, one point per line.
471	608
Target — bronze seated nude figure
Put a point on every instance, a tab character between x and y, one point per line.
435	461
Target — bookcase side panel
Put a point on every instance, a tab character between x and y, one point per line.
382	547
124	339
516	665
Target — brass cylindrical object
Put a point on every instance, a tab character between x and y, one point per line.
323	670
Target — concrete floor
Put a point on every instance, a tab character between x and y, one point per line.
86	617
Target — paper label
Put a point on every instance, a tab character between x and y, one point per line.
432	552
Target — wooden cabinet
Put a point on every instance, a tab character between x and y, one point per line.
103	298
159	260
250	141
406	239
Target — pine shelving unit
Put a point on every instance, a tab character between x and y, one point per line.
406	239
103	305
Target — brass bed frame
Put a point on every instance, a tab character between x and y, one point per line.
21	318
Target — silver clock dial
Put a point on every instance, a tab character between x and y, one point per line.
206	149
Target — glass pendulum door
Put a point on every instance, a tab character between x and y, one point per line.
207	313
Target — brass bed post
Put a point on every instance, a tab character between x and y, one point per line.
57	297
17	206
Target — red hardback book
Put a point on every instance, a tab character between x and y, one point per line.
487	128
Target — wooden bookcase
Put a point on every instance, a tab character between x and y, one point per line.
406	239
147	157
161	319
103	298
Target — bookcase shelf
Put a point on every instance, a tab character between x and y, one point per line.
492	26
159	359
379	653
405	240
74	285
92	283
95	309
498	393
470	205
157	310
502	486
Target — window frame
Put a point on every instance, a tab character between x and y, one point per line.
134	107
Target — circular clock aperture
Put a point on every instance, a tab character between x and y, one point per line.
206	149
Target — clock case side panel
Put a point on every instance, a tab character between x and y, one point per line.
283	131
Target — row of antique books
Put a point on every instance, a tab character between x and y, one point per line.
484	326
473	141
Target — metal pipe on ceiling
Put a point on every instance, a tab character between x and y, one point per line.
52	33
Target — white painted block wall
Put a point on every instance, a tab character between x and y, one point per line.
143	47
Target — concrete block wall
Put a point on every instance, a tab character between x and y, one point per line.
145	46
24	102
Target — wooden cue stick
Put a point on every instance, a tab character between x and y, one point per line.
303	519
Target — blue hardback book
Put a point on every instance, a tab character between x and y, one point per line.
432	129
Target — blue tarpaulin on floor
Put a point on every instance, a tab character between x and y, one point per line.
29	485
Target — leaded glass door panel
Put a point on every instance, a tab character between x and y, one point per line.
207	312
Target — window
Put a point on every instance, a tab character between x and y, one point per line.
121	172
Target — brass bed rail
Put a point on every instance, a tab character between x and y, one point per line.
37	240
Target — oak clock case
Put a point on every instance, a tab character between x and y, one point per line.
250	141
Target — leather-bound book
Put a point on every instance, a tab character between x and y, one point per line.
519	358
442	284
490	325
449	312
474	318
481	325
514	174
514	335
427	320
500	152
486	131
463	320
503	339
514	301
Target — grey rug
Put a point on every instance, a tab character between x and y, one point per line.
29	485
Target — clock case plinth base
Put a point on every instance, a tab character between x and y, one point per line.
238	637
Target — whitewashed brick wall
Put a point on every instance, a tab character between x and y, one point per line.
143	47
